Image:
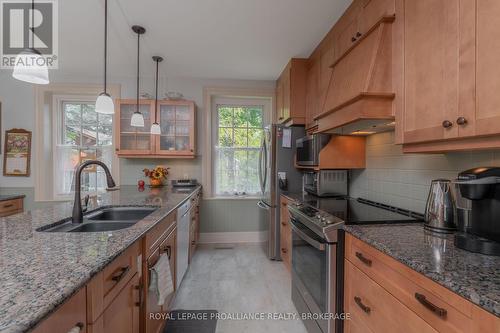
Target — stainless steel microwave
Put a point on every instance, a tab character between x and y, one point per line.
308	149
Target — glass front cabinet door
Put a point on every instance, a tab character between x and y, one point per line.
134	141
177	121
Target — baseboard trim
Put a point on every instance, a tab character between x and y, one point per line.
233	237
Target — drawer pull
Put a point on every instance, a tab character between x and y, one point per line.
363	307
434	308
284	250
77	328
363	259
124	271
283	224
8	206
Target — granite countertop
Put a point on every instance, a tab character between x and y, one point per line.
475	277
40	270
5	197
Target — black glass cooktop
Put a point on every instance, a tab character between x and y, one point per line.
360	211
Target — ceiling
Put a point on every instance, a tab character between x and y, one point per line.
219	39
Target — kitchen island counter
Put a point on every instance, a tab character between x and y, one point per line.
40	270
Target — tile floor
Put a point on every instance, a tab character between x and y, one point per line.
235	281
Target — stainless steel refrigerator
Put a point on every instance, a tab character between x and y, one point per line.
277	174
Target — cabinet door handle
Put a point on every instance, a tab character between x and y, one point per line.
363	307
447	124
139	290
363	259
358	34
284	250
283	224
353	39
429	305
461	121
124	271
168	250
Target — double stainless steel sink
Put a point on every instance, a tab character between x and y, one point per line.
104	219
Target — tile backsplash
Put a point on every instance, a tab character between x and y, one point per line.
403	180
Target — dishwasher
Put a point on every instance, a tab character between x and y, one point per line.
183	222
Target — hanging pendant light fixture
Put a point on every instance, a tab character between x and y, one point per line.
30	66
137	118
155	128
104	103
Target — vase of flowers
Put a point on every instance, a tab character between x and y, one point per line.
156	176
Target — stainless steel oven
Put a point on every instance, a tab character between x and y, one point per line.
314	278
308	149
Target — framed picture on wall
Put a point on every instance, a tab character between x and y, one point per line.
17	153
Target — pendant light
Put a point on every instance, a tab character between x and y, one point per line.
137	118
104	103
30	66
155	128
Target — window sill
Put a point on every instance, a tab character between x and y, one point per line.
233	198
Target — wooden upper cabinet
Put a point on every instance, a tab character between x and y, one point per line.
291	93
312	91
371	12
438	68
357	21
133	140
346	30
178	123
178	129
486	120
279	101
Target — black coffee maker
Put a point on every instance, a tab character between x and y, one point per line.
482	187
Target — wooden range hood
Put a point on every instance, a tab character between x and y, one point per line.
360	93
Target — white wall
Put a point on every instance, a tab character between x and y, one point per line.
18	103
403	180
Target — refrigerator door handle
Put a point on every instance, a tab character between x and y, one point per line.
261	152
263	205
265	166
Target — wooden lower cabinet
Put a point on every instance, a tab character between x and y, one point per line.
152	312
371	305
11	207
194	227
72	314
285	233
117	299
122	315
386	296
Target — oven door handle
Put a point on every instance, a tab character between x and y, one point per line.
319	246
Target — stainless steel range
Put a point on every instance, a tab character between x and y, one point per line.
318	253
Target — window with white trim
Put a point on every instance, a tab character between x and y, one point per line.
238	132
81	134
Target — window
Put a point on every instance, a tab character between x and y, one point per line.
238	133
83	134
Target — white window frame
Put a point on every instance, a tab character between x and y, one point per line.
211	95
57	135
45	109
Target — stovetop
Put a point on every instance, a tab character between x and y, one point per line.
326	215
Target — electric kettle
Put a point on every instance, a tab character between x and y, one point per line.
440	207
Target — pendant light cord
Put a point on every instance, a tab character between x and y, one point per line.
33	24
138	64
156	96
105	46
